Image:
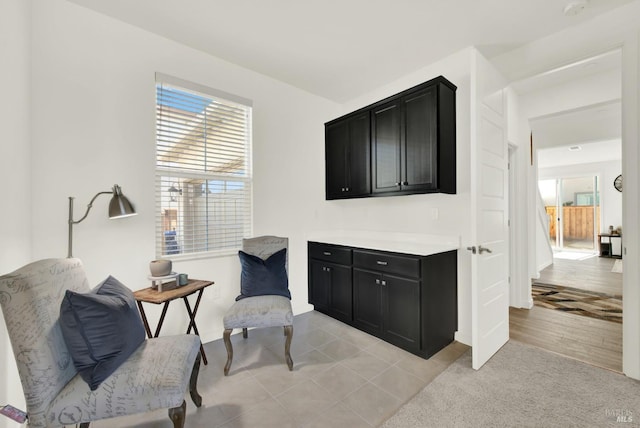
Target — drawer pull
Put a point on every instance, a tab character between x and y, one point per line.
326	253
382	263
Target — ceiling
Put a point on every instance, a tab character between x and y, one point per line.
595	129
341	49
600	151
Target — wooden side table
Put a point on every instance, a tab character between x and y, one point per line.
606	247
166	296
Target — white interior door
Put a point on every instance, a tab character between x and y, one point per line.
489	199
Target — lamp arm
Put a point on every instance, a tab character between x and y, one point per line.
72	221
89	206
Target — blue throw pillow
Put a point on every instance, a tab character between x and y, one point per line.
102	329
261	277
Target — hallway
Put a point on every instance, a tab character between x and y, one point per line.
590	340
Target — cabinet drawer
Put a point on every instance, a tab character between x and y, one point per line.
330	253
382	262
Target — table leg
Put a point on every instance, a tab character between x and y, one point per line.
164	312
144	319
192	322
192	315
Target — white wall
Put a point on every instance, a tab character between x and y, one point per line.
93	125
15	172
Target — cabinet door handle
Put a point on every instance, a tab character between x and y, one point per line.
326	253
384	282
378	281
382	263
398	183
405	183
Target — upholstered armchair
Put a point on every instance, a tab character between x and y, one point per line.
265	300
155	375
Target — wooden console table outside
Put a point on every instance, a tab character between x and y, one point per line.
166	296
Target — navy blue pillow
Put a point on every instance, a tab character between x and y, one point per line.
102	329
261	277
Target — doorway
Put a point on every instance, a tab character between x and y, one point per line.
573	207
569	117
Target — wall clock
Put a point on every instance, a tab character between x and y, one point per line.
617	183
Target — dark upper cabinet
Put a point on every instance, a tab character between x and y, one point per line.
412	144
347	146
419	142
404	144
386	147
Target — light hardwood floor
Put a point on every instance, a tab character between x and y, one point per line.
586	339
592	274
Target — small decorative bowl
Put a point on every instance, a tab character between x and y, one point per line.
160	267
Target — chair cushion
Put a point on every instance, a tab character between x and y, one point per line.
259	311
261	277
155	376
102	329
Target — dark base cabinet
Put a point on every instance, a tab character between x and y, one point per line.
409	301
330	288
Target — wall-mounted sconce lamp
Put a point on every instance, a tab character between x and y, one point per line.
119	207
174	192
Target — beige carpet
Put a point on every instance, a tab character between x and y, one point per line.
523	386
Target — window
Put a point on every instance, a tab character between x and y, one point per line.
203	169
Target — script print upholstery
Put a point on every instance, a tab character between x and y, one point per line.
155	376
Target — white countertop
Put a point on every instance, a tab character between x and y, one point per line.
407	243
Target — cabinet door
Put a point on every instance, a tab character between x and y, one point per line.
347	157
341	292
401	311
336	146
319	286
358	162
367	297
419	154
385	147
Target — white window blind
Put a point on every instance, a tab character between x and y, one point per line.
203	169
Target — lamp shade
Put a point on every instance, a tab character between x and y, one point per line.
120	205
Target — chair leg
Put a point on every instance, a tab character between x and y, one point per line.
245	333
177	415
227	343
288	331
193	382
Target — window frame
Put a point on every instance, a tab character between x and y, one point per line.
209	178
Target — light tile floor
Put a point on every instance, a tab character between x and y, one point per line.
341	377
